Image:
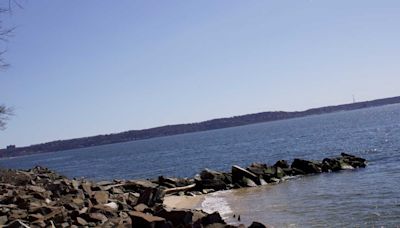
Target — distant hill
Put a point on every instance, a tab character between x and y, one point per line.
184	128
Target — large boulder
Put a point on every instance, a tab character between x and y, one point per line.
181	218
140	219
214	218
210	179
257	225
238	173
307	167
258	168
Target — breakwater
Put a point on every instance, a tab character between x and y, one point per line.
40	197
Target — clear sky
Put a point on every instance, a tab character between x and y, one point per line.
82	68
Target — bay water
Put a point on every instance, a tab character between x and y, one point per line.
367	197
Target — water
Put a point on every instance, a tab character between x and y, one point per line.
363	198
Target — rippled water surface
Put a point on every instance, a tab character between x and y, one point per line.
362	198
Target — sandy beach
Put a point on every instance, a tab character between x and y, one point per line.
184	202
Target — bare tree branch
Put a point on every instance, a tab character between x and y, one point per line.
5	34
5	113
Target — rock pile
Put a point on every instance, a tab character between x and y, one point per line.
42	198
261	174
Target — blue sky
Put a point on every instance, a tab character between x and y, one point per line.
81	68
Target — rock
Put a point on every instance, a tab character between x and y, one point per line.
75	184
257	225
217	225
305	166
98	217
35	217
263	182
296	171
138	185
174	182
141	207
100	208
210	219
354	161
36	188
181	218
344	165
101	197
283	164
78	201
215	184
80	221
258	168
210	179
329	164
112	206
275	180
279	173
3	220
150	196
102	183
17	214
248	182
87	188
140	219
238	173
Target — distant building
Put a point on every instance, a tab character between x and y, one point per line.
11	147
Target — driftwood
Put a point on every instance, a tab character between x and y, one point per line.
179	189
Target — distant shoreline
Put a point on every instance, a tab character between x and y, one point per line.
169	130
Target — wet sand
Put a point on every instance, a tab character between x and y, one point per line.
184	202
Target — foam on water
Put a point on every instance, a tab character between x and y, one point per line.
216	202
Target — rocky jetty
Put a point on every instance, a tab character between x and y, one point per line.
42	198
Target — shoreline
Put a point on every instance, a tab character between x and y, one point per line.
43	198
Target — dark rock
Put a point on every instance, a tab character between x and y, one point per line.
151	196
210	179
257	168
140	219
181	217
296	171
238	173
174	182
139	185
97	217
354	161
210	219
305	166
329	164
218	225
257	225
283	164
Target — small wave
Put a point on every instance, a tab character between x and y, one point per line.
216	202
